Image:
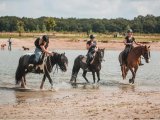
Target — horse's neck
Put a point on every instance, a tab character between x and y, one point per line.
137	51
55	60
96	60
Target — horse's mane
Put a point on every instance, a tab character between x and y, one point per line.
137	49
95	59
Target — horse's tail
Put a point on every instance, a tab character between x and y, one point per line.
122	64
76	68
19	71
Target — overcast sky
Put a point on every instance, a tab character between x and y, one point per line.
80	8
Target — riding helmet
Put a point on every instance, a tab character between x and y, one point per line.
92	36
45	38
129	31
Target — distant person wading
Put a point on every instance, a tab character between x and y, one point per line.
9	44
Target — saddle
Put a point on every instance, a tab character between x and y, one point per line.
36	67
87	63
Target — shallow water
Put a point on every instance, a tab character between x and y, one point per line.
147	78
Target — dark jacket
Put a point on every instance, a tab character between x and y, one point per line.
129	41
37	44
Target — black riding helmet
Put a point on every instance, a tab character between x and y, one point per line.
45	38
92	36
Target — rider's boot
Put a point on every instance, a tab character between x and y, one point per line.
140	62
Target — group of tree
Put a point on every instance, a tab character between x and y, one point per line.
140	24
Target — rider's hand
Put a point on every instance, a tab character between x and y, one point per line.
96	49
51	54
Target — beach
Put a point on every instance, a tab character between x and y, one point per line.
83	103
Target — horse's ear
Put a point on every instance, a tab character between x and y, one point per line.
145	46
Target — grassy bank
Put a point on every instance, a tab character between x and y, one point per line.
83	36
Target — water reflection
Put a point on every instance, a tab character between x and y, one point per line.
126	87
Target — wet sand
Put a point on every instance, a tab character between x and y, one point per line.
78	104
87	104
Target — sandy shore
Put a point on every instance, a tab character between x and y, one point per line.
87	105
67	44
78	104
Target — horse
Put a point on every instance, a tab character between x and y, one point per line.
48	62
80	62
25	48
3	46
133	61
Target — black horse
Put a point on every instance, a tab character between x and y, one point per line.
46	67
80	62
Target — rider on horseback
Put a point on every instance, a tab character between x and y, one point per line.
41	48
92	48
129	39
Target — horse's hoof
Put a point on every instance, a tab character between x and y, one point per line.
95	86
52	89
130	80
74	85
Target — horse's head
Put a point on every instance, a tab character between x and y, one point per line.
146	53
62	62
100	54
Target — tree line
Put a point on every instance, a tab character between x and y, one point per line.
140	24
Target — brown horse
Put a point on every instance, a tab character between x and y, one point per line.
3	46
25	48
80	62
133	61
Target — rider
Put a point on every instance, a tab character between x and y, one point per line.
41	47
129	39
91	47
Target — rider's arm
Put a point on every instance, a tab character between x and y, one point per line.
137	43
45	50
125	42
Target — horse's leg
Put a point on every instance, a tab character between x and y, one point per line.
74	75
23	83
126	71
123	73
43	80
98	76
48	76
94	79
75	70
133	75
135	71
25	79
50	80
84	75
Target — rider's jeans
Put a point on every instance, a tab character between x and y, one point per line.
38	53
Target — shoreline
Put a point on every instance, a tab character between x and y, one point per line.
87	104
66	44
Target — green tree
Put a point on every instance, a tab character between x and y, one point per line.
44	28
20	27
50	23
37	28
